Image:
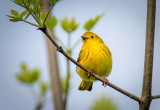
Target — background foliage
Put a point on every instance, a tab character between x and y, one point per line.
121	43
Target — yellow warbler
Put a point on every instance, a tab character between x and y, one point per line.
96	57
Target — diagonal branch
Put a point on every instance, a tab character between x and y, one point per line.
60	49
156	97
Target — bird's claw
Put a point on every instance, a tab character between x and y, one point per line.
105	83
89	73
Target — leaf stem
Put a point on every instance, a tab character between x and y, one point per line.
31	13
47	15
34	93
69	41
31	23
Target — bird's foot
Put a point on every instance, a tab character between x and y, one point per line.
59	48
89	73
105	83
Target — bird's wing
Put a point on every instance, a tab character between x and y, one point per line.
79	57
106	50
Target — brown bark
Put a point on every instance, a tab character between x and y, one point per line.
53	64
149	50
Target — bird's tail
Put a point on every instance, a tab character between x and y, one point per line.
85	85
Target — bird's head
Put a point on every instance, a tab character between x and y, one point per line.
91	37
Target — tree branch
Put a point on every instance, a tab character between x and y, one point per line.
149	50
156	97
60	49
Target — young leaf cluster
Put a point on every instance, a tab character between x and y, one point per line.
30	78
104	103
69	26
33	8
26	76
53	1
18	17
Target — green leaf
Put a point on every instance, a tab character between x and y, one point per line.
69	26
43	15
22	1
21	78
27	16
33	76
11	16
26	76
35	8
44	88
91	23
19	1
53	1
51	23
20	4
24	67
73	25
24	13
65	25
104	104
15	13
15	19
88	25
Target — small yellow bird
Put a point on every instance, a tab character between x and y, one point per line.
94	56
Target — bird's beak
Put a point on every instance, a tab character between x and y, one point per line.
84	38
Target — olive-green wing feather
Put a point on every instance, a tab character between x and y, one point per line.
79	58
106	50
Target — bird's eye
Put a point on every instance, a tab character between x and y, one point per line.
91	36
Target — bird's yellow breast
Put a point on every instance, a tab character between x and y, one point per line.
96	57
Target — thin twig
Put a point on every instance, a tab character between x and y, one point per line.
34	93
47	15
31	23
30	12
156	97
60	49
